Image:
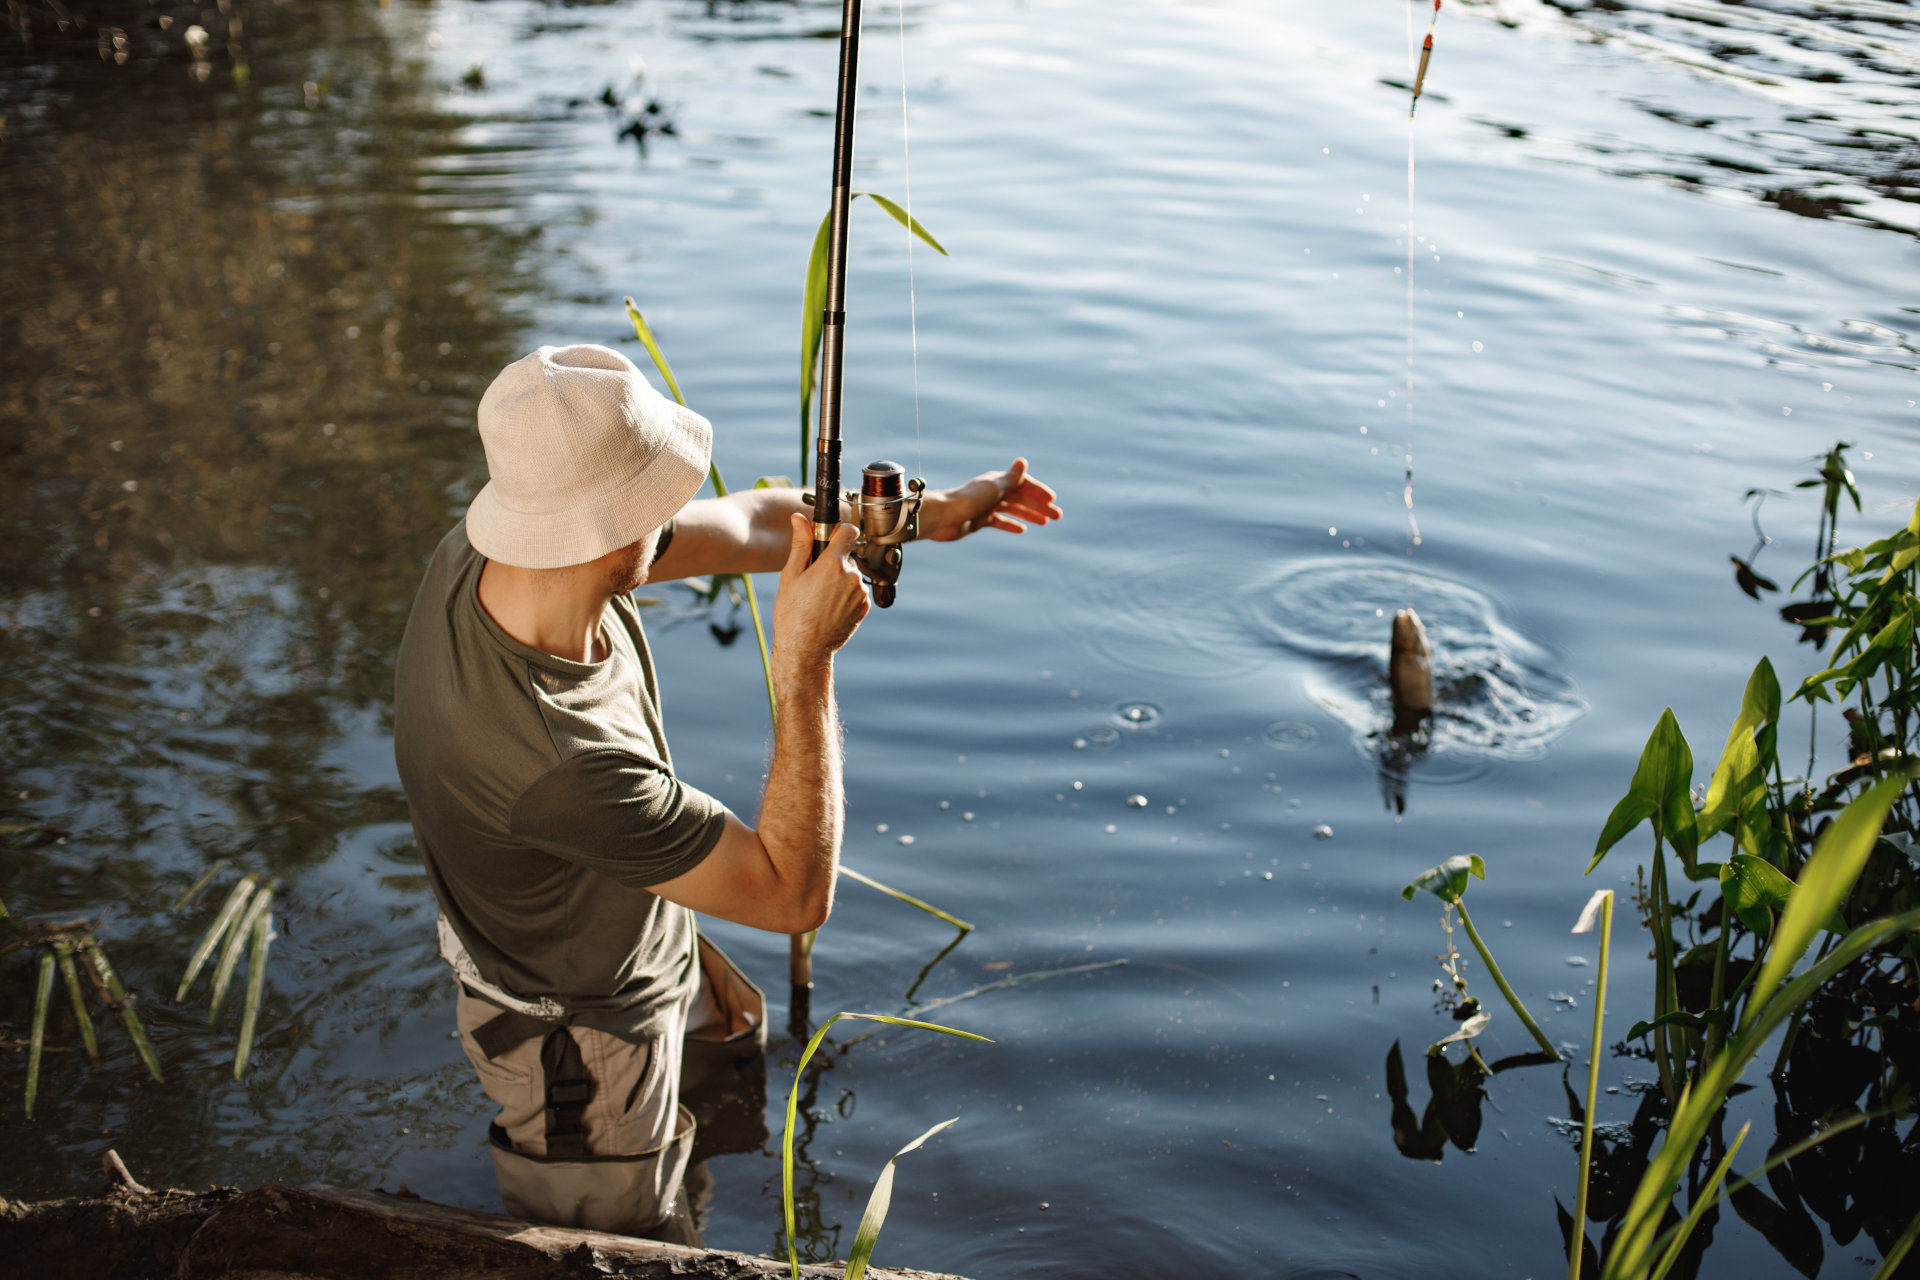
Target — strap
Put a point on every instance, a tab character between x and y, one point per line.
568	1091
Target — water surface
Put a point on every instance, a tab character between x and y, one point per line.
1662	254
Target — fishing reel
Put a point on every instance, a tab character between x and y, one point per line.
889	518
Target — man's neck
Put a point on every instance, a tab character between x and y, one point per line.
556	611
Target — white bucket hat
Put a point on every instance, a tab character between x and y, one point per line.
583	457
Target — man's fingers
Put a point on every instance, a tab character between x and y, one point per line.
998	521
802	546
844	535
1013	476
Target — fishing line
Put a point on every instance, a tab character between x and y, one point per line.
913	321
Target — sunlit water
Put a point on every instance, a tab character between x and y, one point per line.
1659	261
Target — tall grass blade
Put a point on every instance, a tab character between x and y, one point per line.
899	215
1898	1254
1700	1204
1824	884
1038	975
960	936
1696	1109
97	957
1603	900
42	998
907	898
813	306
256	983
63	949
230	953
230	911
793	1108
878	1203
206	877
653	349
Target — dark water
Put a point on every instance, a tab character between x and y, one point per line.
1663	254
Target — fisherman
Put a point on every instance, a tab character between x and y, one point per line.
566	854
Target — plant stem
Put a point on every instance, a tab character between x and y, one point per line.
1662	980
42	998
1593	1092
64	950
1500	980
1897	1254
97	957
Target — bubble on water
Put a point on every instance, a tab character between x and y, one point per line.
906	839
1098	738
1323	832
1136	715
1136	802
1290	735
1497	694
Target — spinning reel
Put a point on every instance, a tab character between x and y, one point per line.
888	515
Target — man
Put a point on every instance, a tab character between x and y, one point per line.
566	855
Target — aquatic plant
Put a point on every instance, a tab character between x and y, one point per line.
877	1204
57	945
1829	861
1448	882
813	310
1599	910
244	921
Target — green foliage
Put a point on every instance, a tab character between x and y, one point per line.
813	306
1660	791
1448	881
878	1203
793	1108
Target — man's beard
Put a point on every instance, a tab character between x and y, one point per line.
629	569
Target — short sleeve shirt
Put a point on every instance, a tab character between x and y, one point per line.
544	802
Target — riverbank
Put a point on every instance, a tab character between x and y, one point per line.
135	1233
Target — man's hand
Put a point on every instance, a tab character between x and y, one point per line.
996	500
819	604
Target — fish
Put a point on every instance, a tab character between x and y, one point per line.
1410	672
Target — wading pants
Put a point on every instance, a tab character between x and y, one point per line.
590	1131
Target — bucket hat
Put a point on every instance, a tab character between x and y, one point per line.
583	457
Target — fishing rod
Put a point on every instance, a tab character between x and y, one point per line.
887	507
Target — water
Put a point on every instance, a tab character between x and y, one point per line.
247	328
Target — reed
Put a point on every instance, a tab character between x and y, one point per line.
1600	905
813	308
256	983
97	958
868	1233
230	952
42	998
230	911
63	950
793	1108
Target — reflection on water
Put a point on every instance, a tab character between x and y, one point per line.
247	317
1835	86
1496	694
244	333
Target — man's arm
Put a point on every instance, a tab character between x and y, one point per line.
780	875
747	532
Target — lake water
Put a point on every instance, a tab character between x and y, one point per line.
1663	253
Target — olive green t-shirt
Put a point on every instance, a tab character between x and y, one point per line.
544	802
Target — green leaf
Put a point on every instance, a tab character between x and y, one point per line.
1755	889
1759	706
256	985
1824	884
774	482
1679	1018
1448	880
1466	1031
877	1204
813	305
230	910
1661	790
653	349
42	1001
793	1108
899	215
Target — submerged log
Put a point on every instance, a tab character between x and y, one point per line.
285	1233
